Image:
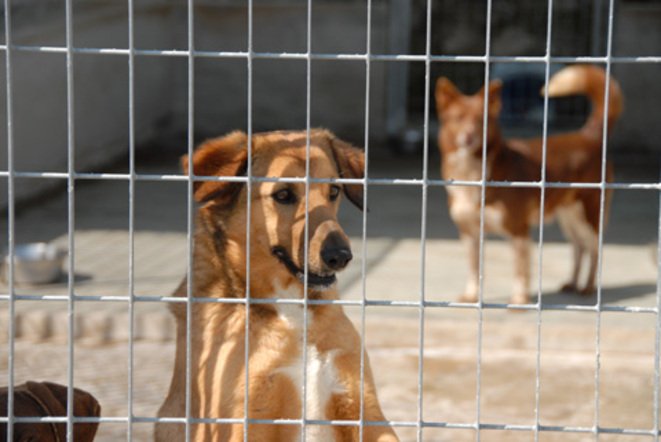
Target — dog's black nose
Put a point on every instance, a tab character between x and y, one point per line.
335	251
336	257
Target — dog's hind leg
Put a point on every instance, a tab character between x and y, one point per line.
572	284
568	217
591	202
585	239
590	288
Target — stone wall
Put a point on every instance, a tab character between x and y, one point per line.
638	34
580	28
101	122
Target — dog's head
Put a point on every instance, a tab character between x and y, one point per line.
462	116
279	210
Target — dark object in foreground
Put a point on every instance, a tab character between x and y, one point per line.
42	399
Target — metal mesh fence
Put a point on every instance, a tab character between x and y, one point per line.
428	61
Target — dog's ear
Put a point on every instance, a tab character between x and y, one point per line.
495	100
351	164
223	156
446	93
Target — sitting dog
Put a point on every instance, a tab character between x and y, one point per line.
574	157
271	264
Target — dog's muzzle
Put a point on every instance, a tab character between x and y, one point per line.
336	260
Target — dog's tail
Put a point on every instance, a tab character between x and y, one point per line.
590	81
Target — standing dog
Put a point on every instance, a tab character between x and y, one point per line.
276	259
571	157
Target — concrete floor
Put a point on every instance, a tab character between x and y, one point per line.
555	367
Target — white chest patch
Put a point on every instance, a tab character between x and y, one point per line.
494	219
465	209
465	165
321	380
465	204
290	313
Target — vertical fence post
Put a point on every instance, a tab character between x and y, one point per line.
11	216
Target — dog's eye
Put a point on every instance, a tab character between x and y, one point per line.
334	192
284	196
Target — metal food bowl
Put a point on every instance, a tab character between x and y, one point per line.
35	263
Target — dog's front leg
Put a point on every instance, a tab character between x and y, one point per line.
521	247
471	240
346	405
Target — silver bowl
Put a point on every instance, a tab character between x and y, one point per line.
35	263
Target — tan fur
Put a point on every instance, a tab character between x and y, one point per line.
275	336
571	157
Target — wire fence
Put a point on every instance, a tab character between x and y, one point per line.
423	304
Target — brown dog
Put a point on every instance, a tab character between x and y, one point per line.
571	157
44	399
277	257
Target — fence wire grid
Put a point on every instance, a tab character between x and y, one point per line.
423	304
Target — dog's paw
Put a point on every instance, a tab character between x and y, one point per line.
588	290
468	297
569	288
520	299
